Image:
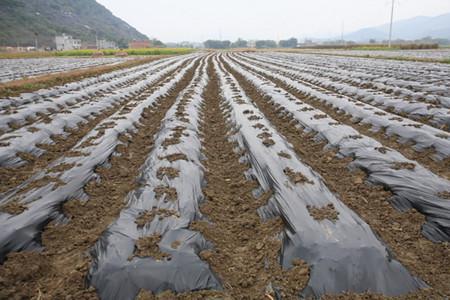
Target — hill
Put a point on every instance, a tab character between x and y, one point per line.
21	20
409	29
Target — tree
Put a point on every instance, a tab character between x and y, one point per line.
290	43
240	43
157	43
264	44
215	44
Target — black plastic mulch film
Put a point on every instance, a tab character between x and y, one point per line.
416	188
22	232
343	253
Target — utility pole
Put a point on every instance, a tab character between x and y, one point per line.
342	33
390	27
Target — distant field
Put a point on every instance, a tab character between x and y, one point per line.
430	55
106	52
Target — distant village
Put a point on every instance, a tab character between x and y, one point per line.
66	42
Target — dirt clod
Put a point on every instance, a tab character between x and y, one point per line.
148	247
296	177
403	166
169	172
321	213
169	193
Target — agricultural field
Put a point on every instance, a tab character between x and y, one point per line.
438	55
230	175
13	69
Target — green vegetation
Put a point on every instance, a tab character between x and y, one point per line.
290	43
24	21
107	52
145	51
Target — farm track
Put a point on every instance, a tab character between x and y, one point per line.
60	270
424	157
401	231
202	185
12	177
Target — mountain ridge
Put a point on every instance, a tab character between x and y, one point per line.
409	29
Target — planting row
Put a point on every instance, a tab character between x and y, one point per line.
404	105
64	179
429	79
27	139
423	136
192	206
319	228
13	69
150	245
413	185
28	106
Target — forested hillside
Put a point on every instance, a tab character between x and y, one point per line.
21	21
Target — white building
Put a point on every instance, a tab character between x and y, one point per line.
105	44
66	42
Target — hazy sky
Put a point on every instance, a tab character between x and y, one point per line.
198	20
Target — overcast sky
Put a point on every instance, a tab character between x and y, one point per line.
199	20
